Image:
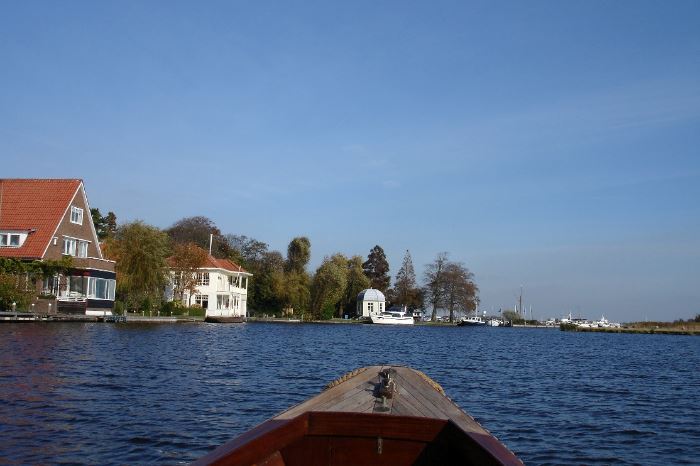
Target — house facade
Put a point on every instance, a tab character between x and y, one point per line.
48	219
222	289
370	302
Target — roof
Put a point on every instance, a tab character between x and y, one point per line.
37	206
212	262
370	294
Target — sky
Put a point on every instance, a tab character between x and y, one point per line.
549	146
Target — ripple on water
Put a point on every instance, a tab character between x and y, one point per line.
95	393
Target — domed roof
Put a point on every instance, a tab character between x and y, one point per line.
370	294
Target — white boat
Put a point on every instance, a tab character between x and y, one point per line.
471	321
494	323
392	317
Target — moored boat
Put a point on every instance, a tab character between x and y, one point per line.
473	321
224	319
392	317
373	415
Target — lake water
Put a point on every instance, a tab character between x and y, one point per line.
167	394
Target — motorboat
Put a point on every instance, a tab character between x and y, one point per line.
377	415
473	321
392	317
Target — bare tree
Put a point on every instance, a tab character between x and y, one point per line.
435	279
187	258
458	289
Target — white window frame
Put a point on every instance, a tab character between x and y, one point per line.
7	240
76	215
109	288
70	246
202	278
199	299
82	249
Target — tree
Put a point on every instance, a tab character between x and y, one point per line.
263	293
199	230
293	289
405	291
376	268
186	259
18	279
356	282
435	279
104	226
248	252
328	286
140	251
458	289
298	254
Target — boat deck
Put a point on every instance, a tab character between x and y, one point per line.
373	415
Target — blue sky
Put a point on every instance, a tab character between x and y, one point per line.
552	145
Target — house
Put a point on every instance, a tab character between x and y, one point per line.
47	219
222	288
370	302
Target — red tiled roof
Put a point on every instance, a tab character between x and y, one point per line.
37	205
212	262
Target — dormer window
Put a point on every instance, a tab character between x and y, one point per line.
12	240
76	215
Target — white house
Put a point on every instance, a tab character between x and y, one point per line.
222	289
370	302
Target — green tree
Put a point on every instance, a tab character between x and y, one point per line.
435	283
298	254
199	230
265	291
406	291
104	226
14	289
376	268
328	285
18	279
140	251
356	282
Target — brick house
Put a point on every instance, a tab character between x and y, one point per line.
46	219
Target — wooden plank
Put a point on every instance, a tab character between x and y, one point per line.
438	403
369	425
328	395
260	442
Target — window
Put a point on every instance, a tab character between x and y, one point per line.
202	300
222	301
370	307
76	285
101	288
11	240
76	215
244	282
82	248
69	245
381	307
234	281
202	278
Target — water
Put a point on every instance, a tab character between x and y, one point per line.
167	394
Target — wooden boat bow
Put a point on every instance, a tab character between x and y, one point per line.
389	415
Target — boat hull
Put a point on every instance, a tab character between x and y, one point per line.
224	319
392	320
375	415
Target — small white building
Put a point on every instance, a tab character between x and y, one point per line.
370	302
222	289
